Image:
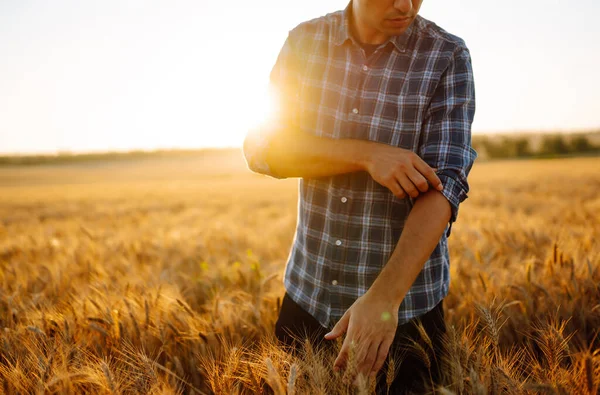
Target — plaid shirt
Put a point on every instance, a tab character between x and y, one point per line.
416	91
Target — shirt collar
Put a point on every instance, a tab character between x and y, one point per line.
343	32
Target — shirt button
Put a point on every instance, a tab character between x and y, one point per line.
334	282
355	110
338	242
344	199
365	68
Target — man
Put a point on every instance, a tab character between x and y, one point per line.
375	106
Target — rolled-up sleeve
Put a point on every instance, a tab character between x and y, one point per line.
283	91
446	134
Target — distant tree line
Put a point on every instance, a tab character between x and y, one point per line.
522	147
66	157
493	147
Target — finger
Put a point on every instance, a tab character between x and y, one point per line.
396	189
407	185
361	352
340	327
418	180
382	353
428	173
369	359
340	361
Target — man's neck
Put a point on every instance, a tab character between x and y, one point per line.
362	32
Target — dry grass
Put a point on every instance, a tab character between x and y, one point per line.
164	276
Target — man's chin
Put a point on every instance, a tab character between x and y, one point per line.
395	31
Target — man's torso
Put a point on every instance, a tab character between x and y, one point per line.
348	224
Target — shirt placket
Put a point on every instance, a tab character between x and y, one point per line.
357	108
341	202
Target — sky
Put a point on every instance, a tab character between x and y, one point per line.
86	76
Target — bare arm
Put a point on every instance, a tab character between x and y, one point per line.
295	154
298	154
424	228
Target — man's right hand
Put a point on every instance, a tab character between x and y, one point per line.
401	171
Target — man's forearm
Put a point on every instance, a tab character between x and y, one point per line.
422	231
304	155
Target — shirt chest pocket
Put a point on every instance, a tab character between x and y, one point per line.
392	118
383	108
398	111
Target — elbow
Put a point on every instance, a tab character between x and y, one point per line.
255	149
250	152
254	156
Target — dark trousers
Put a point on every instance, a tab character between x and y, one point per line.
411	370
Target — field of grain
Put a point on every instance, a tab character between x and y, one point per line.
164	276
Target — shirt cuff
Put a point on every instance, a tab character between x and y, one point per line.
455	193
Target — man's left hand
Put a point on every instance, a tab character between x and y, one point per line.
371	324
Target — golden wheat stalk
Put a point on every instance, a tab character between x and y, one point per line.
273	378
291	385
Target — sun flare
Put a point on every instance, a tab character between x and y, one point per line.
229	125
260	110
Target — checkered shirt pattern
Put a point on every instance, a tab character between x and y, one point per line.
416	91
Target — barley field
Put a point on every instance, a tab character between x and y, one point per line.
164	276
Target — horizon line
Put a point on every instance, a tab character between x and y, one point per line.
180	149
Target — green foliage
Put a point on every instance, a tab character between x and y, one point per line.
506	147
521	146
582	144
554	145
